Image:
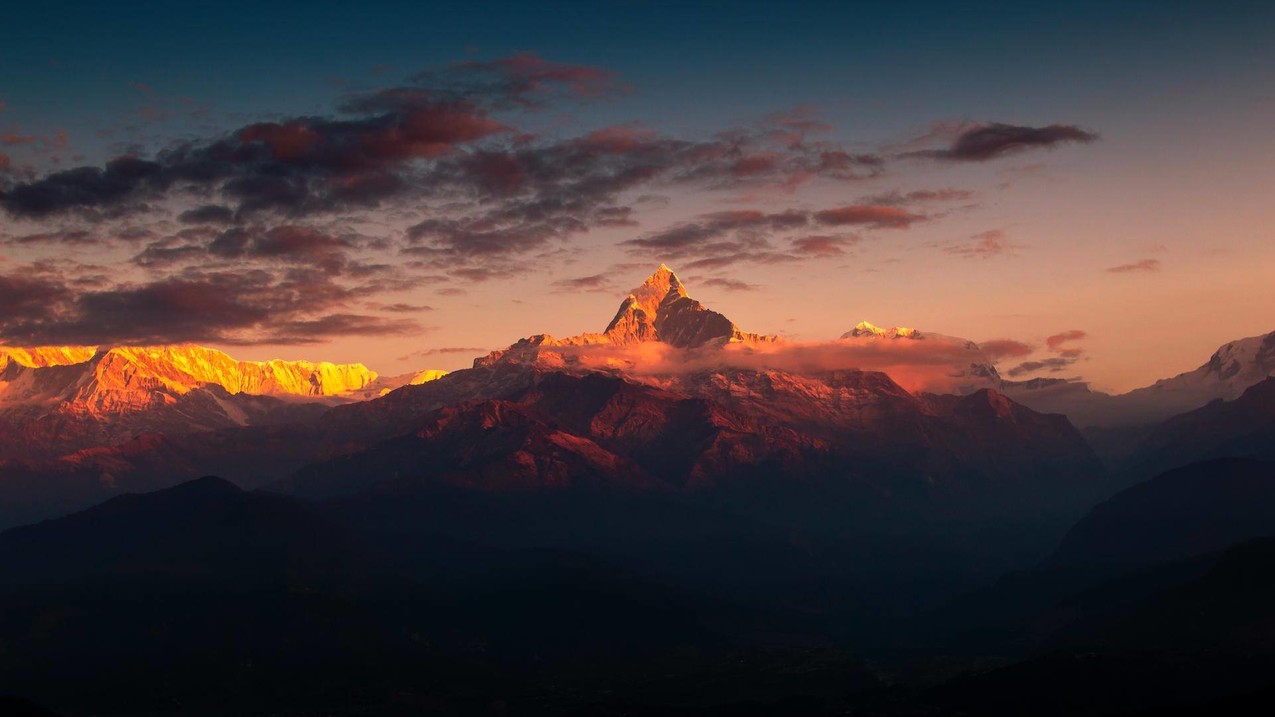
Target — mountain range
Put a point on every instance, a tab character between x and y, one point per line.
669	396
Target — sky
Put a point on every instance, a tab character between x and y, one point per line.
1086	188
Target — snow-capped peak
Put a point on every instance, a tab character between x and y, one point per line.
864	329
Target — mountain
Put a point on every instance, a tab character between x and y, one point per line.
660	310
1243	427
1194	510
1189	646
1158	534
55	400
206	528
1228	373
865	329
673	396
669	396
206	599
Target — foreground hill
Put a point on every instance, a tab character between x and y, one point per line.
205	599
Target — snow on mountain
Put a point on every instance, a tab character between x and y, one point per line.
132	378
1233	368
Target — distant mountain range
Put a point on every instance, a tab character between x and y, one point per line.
670	395
63	399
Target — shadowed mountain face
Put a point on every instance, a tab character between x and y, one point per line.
1242	427
850	434
1158	534
1195	643
1190	511
207	529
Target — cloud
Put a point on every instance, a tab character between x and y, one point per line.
1053	365
823	245
709	233
1145	265
980	143
207	214
254	307
400	308
983	245
1056	341
998	349
895	197
875	216
444	351
595	282
931	364
727	284
1059	344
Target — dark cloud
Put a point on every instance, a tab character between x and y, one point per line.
980	143
709	233
1053	365
823	245
723	238
207	214
1145	265
85	187
895	197
494	192
444	351
21	295
1060	344
874	216
221	307
290	243
80	237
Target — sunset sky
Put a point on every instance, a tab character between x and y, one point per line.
409	185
